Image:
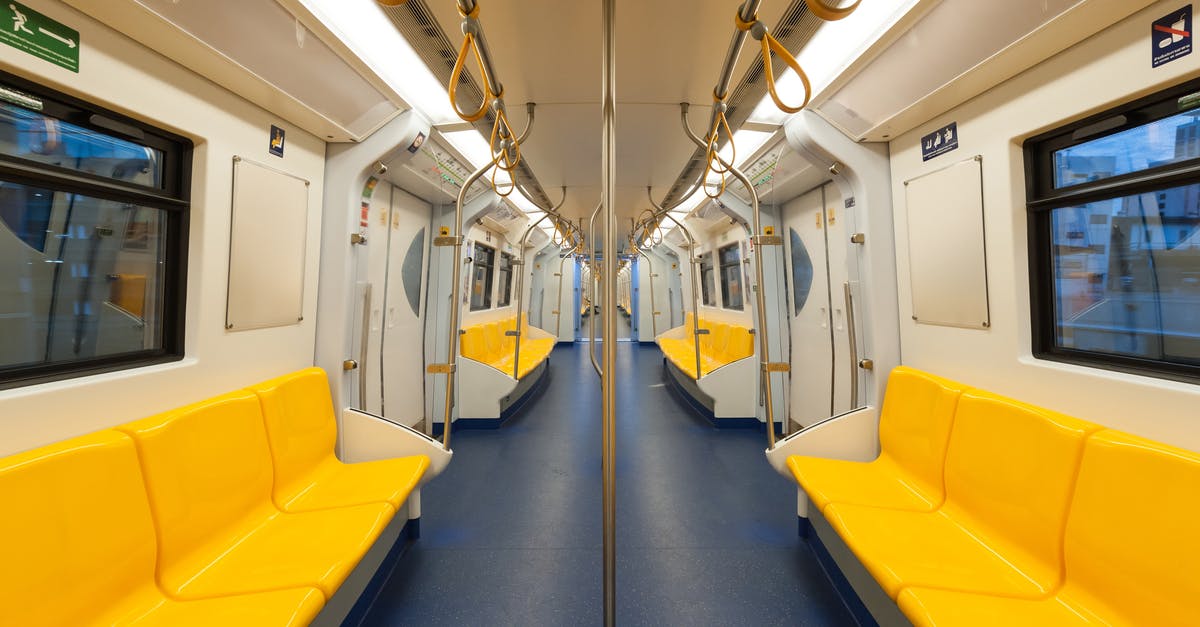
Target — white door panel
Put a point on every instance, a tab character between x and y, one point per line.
809	309
400	367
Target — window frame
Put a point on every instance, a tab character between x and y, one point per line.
737	265
489	280
1042	198
173	199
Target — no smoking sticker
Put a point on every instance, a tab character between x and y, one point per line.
1171	37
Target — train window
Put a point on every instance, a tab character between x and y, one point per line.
93	212
481	279
731	276
707	284
1114	206
505	279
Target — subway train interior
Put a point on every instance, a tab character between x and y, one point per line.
655	312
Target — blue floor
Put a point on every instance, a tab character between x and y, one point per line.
511	533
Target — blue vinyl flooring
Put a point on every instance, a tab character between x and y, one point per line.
511	532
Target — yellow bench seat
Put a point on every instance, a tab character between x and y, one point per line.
1133	572
302	432
488	344
723	344
914	429
1009	472
209	477
79	547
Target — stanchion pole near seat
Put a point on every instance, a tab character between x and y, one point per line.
521	282
693	261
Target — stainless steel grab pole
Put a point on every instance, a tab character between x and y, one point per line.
760	298
608	380
455	289
521	284
650	272
593	286
852	336
692	263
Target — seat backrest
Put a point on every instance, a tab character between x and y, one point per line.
76	530
718	342
740	344
301	427
689	324
207	466
1011	468
1131	540
472	345
492	334
914	426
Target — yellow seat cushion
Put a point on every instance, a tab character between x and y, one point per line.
1009	470
930	607
80	548
914	430
1131	527
302	432
208	472
279	607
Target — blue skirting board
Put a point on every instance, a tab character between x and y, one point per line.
408	535
841	585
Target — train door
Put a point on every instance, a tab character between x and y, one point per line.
401	368
817	273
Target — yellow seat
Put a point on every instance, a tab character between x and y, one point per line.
1129	547
472	345
723	344
914	429
79	547
209	476
302	431
1009	472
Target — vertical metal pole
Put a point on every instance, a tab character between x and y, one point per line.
593	283
607	380
455	288
558	303
650	273
764	345
692	263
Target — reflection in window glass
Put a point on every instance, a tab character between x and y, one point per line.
89	285
731	276
505	280
37	137
802	272
1158	143
481	278
1127	275
707	283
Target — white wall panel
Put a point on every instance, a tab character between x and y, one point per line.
1108	69
122	75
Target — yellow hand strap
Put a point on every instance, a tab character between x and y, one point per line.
469	44
828	13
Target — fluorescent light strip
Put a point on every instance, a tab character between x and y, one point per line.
364	28
830	51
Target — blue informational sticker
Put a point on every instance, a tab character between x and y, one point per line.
939	142
277	139
1171	37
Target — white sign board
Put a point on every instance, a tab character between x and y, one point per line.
268	232
946	257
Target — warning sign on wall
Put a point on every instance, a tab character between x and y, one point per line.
1171	37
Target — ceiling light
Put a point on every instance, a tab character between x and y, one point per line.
747	142
364	28
471	145
830	51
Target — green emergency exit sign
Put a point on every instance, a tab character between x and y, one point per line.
25	29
